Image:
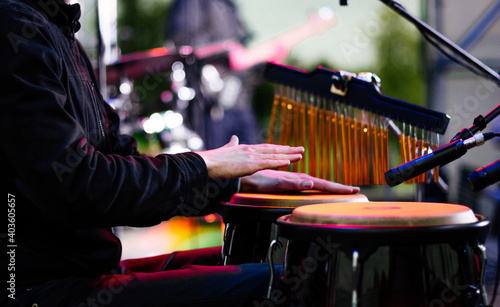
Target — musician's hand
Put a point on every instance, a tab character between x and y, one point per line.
271	181
234	160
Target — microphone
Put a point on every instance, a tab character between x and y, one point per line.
439	157
484	176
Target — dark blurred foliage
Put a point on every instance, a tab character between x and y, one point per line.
400	63
141	27
141	24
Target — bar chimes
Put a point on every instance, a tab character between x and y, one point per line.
343	121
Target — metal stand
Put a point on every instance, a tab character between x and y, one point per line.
480	122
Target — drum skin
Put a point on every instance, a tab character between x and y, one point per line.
380	214
249	221
362	265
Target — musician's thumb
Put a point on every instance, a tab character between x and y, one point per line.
234	141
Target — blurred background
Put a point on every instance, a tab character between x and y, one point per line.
369	37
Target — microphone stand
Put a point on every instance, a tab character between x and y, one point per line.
101	66
480	121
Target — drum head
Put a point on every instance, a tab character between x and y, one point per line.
294	200
384	214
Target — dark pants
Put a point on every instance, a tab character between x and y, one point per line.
187	278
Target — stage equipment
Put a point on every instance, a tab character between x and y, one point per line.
438	157
249	221
343	121
381	254
142	63
484	176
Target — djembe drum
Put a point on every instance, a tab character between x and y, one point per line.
381	254
249	220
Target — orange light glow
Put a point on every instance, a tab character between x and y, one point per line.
210	218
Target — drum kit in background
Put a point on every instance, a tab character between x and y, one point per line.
161	71
343	250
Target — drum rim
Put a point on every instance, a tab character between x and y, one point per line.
400	234
286	219
293	200
236	212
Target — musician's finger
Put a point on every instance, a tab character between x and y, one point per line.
275	149
289	157
268	164
324	185
328	186
295	185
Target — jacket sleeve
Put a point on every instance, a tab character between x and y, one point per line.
72	182
121	144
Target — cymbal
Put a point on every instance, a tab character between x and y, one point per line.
142	63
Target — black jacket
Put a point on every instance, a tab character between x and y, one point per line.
62	158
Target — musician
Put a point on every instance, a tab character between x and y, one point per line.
70	177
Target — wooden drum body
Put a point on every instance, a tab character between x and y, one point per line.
249	220
381	254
